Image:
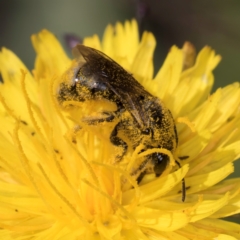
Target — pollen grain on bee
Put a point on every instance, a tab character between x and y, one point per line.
141	118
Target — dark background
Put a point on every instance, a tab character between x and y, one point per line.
215	23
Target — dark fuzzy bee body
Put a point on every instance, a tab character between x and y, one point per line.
143	118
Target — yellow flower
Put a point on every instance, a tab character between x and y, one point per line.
57	183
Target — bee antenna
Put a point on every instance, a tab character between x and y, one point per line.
183	184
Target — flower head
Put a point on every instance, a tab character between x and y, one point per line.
60	181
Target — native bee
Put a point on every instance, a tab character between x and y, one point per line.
143	118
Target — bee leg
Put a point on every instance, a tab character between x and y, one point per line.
183	184
140	177
117	141
141	170
108	117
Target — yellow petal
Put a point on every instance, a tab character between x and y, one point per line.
192	232
193	146
156	188
208	207
51	59
220	226
168	76
109	228
14	72
200	182
93	42
142	66
195	83
160	220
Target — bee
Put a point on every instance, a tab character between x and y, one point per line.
142	118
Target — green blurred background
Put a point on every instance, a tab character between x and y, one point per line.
215	23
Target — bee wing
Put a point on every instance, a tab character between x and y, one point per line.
117	79
130	99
